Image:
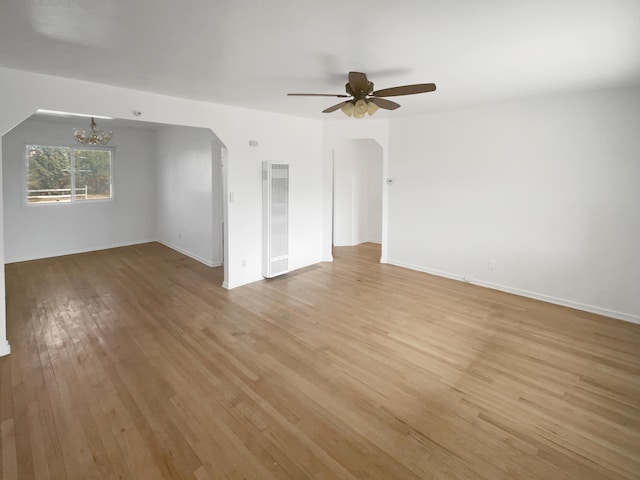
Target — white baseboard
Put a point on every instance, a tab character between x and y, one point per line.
259	277
83	250
629	317
5	348
198	258
118	245
358	242
232	285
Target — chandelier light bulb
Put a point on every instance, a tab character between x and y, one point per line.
347	108
361	108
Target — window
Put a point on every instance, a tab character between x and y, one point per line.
68	174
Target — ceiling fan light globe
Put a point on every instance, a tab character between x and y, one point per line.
361	107
347	109
372	108
357	114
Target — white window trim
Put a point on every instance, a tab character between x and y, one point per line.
71	147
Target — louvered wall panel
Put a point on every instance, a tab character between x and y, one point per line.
275	196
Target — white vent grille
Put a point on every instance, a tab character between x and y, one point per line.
275	197
279	266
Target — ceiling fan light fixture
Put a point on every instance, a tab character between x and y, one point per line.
364	99
360	108
348	108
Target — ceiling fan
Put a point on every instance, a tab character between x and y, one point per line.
365	99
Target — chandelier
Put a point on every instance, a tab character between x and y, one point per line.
93	137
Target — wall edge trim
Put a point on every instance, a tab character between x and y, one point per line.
86	250
198	258
628	317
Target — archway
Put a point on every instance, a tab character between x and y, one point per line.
18	249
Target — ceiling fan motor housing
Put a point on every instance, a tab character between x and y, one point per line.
357	95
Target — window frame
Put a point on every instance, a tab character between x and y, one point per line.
72	148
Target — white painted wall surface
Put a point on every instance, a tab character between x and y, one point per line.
548	189
188	220
5	348
357	191
217	192
39	231
344	215
296	141
374	192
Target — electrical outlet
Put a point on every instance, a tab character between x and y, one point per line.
244	263
491	265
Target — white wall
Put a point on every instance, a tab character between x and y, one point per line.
281	138
39	231
217	151
188	197
357	189
298	143
5	348
374	192
548	189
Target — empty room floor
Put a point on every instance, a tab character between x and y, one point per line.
133	363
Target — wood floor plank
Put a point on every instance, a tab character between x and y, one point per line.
9	456
133	363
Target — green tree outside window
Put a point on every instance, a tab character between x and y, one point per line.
64	174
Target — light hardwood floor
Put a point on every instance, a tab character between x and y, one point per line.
133	363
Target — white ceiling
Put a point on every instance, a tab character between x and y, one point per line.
250	53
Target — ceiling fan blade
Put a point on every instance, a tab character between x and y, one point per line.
358	82
384	103
339	95
405	90
335	107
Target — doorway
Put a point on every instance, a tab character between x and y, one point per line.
357	192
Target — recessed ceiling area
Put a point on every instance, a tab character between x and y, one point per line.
83	120
250	54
